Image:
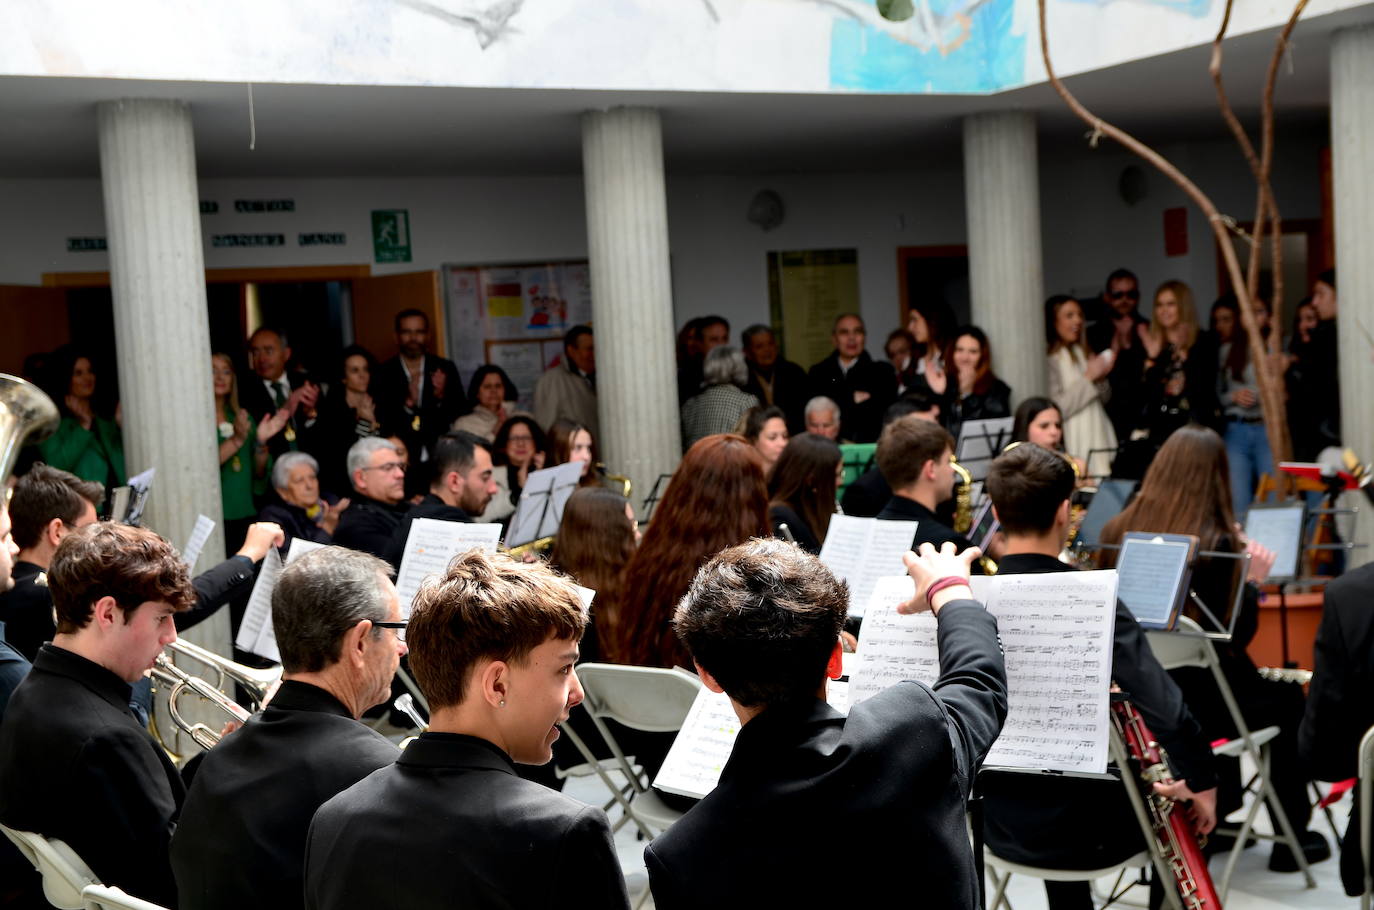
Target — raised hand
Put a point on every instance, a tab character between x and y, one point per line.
929	567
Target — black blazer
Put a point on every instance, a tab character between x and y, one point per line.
429	507
254	399
1081	823
26	610
790	392
929	528
995	402
392	385
451	825
367	525
293	520
894	776
76	765
858	422
241	839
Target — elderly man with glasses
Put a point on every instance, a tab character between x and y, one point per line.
378	473
242	835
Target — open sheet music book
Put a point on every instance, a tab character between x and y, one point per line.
1056	630
432	545
255	631
703	745
862	550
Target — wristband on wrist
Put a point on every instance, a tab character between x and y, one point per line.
949	581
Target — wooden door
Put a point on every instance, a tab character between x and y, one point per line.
35	320
377	300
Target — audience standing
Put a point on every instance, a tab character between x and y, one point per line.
775	382
932	324
1079	384
85	443
705	334
567	390
347	414
718	407
1115	323
520	447
861	386
242	450
975	392
1247	444
418	393
272	387
1180	366
492	399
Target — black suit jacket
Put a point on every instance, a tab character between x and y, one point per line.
253	398
1081	823
367	525
451	825
1339	709
13	668
241	839
929	528
392	385
429	507
76	765
858	422
894	776
790	392
27	610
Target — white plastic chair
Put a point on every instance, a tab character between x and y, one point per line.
1366	804
103	897
1188	647
642	698
1008	868
64	873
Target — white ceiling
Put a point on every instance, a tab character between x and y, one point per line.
47	125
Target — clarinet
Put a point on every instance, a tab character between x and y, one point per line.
1173	838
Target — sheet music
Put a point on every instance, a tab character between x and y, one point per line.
1056	631
542	498
703	745
256	634
862	550
432	545
196	542
1279	529
140	485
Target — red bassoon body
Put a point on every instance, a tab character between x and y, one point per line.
1174	839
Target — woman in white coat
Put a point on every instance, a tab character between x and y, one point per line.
1078	385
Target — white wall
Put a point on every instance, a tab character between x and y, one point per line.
718	256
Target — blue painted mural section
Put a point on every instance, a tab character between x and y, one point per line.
1195	8
973	52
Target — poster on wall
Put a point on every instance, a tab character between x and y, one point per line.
807	291
517	313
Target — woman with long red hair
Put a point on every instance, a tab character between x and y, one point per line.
717	499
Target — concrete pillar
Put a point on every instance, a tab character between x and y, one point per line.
1006	277
1352	192
157	274
632	302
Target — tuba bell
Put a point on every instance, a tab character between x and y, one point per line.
27	415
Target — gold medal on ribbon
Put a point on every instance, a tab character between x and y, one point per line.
236	465
415	423
290	434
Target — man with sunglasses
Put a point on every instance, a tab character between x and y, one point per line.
1117	324
378	504
241	839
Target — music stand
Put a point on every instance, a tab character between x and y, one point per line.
1225	629
652	499
1111	497
540	509
980	441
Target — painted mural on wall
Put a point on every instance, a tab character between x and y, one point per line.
942	46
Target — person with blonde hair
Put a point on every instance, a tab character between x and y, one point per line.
1180	366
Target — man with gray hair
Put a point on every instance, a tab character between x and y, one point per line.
379	476
241	838
718	407
823	418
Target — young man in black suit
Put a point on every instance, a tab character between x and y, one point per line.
241	838
74	763
915	456
450	824
762	621
418	394
1067	822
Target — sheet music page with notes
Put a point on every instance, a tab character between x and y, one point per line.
1056	631
431	546
703	745
200	533
862	550
256	634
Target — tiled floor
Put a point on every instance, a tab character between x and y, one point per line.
1254	886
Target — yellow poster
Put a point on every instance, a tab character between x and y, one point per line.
808	290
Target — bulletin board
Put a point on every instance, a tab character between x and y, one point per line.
808	290
515	315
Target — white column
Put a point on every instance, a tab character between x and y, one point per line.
632	303
1352	192
1006	278
157	274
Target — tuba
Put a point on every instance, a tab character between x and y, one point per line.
27	415
1173	843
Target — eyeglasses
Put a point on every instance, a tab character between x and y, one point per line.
1128	295
400	628
389	466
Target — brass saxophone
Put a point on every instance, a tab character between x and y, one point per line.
1172	840
963	498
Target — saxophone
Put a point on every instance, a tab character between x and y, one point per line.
963	498
1172	839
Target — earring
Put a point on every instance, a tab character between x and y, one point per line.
503	702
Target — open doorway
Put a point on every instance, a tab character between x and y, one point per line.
934	273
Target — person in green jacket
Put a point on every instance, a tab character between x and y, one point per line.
86	444
243	458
